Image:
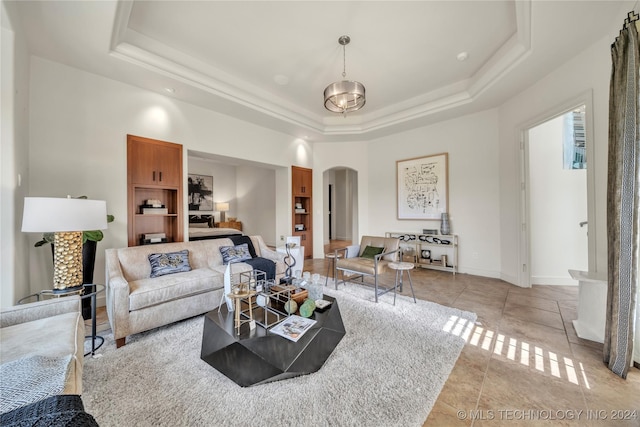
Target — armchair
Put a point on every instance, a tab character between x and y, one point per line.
370	258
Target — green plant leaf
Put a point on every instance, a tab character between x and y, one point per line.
95	235
46	238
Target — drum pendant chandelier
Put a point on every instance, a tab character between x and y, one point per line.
346	95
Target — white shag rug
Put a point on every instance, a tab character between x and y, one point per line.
387	371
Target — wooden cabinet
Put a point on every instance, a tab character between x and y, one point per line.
154	162
301	181
301	186
154	171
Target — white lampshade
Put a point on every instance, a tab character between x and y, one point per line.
48	215
222	207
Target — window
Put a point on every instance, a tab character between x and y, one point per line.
574	139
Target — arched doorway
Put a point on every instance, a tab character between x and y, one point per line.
340	200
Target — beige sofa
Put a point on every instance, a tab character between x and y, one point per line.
46	338
136	302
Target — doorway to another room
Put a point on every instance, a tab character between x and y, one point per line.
341	207
556	196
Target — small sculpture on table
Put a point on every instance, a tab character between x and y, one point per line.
290	262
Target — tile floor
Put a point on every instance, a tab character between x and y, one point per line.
523	363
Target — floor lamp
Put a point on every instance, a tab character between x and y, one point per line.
67	219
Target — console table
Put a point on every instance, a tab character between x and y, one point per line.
436	251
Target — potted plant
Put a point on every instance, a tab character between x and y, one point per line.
90	239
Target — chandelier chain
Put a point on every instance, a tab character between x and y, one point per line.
344	61
344	96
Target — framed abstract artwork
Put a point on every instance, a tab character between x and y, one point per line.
200	193
422	183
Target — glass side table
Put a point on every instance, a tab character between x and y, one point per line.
87	291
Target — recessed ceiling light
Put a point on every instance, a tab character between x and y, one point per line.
281	79
462	56
170	89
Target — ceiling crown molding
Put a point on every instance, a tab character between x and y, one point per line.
135	48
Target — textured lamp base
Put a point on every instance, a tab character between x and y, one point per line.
67	260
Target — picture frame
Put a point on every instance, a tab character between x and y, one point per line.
200	193
423	187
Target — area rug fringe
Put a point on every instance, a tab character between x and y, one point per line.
387	371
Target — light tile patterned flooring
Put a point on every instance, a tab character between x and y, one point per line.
523	364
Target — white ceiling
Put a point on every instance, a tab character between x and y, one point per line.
229	55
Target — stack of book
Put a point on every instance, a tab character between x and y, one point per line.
150	238
301	210
154	209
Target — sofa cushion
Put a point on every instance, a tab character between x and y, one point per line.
34	338
371	252
152	291
169	263
134	260
362	265
233	254
389	244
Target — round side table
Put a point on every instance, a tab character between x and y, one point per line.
400	268
92	291
86	291
331	256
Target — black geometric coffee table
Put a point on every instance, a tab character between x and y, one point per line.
258	357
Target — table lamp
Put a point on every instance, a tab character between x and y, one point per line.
222	207
67	219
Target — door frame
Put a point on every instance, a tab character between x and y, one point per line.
524	235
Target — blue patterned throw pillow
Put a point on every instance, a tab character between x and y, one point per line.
169	263
232	254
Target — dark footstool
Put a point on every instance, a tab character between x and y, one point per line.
65	410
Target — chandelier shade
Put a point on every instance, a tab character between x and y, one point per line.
346	95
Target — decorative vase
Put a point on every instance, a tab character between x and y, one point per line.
315	290
445	227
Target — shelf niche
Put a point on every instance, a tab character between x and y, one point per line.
154	171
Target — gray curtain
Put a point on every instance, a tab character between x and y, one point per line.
622	199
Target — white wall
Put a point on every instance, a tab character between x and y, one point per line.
256	189
558	203
589	71
14	137
79	123
342	205
472	145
